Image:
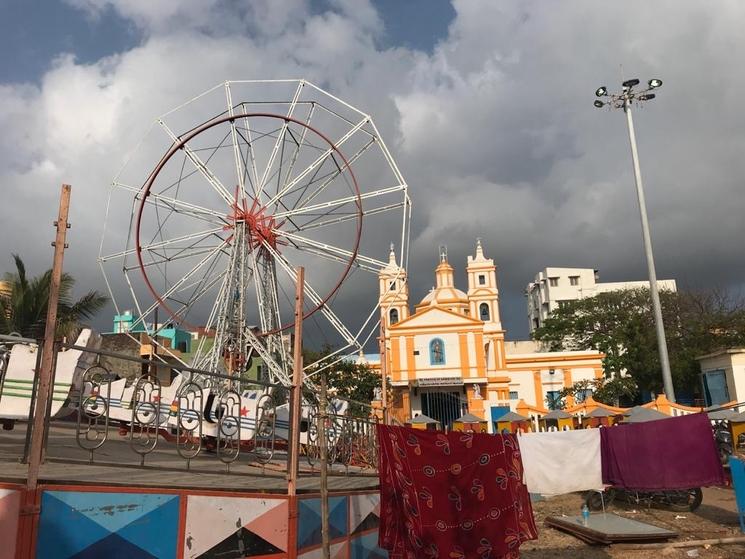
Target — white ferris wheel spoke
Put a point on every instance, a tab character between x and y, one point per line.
169	259
280	137
339	202
311	293
252	159
339	170
185	208
312	224
162	244
299	144
236	148
297	239
208	175
185	278
319	160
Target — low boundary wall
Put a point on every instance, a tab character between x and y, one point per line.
83	522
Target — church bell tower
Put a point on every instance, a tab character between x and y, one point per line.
393	292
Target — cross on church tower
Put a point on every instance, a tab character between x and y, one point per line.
443	253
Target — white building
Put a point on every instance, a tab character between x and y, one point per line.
554	287
723	376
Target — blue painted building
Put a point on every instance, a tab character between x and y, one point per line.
128	322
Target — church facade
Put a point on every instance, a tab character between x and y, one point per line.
447	355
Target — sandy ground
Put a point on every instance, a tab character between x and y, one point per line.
715	518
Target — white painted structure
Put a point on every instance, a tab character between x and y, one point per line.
723	376
554	287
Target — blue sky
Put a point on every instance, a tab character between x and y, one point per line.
34	32
486	107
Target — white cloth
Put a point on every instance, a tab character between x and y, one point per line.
558	462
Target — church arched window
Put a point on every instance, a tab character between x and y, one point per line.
393	316
436	352
484	312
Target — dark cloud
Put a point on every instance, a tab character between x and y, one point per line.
493	129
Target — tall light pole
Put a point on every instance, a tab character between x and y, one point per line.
625	100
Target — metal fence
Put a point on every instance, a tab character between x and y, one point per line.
175	417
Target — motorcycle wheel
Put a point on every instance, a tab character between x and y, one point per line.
685	501
725	451
595	499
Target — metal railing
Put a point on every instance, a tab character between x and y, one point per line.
201	421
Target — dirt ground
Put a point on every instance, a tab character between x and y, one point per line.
715	518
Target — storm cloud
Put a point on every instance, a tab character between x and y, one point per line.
494	129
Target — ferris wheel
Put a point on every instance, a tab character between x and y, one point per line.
227	196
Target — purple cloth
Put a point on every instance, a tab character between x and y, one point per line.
675	453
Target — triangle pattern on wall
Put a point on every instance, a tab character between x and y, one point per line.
242	543
113	546
144	525
111	510
226	515
63	531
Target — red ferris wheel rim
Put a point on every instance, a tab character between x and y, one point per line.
179	145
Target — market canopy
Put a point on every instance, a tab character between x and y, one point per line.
600	412
639	414
720	415
422	419
557	414
512	416
470	418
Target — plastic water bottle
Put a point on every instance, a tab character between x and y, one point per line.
585	514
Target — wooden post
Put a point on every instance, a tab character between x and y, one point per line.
296	393
47	355
29	513
322	417
383	375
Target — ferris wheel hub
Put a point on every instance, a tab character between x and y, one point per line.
259	225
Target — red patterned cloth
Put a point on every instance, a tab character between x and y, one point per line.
454	496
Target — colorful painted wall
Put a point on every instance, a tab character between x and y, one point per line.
82	523
10	508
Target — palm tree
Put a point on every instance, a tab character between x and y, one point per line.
24	302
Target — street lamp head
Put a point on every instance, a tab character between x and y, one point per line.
630	83
599	104
601	91
646	97
654	83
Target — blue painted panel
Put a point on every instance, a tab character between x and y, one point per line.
92	524
309	520
366	547
498	411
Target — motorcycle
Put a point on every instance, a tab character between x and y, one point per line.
687	500
723	438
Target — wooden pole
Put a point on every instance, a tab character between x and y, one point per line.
383	375
47	350
322	416
296	395
29	513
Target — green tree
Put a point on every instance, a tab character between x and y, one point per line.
612	391
348	379
23	308
620	324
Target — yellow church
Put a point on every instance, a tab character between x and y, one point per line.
449	356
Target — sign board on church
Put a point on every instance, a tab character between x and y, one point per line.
440	381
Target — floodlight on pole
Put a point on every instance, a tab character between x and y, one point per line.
625	100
